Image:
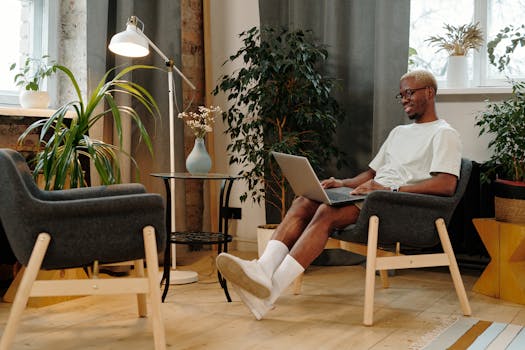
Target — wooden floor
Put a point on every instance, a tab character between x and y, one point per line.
327	315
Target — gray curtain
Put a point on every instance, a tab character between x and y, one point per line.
368	51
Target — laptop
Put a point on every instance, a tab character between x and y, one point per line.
301	176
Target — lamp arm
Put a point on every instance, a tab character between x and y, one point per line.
169	62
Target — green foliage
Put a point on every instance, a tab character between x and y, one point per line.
458	41
280	102
505	121
516	35
33	72
64	141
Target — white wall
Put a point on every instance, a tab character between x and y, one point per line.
460	111
228	18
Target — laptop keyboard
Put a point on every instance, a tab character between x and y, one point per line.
337	196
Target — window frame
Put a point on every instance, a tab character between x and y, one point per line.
480	82
45	15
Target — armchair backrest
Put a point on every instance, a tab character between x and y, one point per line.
405	217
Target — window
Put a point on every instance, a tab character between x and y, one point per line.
427	18
24	25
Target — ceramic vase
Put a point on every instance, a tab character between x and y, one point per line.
457	72
34	99
198	161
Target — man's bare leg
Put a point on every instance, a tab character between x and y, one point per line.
313	239
295	221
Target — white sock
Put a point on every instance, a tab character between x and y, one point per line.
285	274
272	256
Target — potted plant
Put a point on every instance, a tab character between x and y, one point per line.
505	121
457	42
65	141
280	101
30	78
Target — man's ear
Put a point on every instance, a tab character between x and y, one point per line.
431	92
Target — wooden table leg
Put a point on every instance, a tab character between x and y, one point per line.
489	281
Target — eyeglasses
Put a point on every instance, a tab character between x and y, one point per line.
408	94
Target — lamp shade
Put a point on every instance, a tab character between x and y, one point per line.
130	43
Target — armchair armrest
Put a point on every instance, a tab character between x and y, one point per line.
92	192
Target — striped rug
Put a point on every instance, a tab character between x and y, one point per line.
474	334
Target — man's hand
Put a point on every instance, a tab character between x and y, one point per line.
332	182
368	187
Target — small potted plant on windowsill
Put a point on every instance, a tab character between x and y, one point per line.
30	77
505	121
457	42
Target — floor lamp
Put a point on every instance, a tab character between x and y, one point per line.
134	43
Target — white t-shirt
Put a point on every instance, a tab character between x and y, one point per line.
413	152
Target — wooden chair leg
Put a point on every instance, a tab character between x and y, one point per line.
384	278
152	261
141	298
453	266
373	226
24	290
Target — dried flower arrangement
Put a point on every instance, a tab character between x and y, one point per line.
458	41
200	123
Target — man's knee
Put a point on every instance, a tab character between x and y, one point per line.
303	207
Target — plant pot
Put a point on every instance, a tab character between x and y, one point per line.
198	161
457	71
34	99
264	233
509	201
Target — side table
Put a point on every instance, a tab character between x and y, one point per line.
503	276
221	238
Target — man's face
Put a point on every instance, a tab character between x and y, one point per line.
413	98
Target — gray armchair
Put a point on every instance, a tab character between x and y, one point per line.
79	228
392	230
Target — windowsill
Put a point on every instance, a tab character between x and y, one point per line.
479	90
29	112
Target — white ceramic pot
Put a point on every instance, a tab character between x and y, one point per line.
34	99
264	233
457	71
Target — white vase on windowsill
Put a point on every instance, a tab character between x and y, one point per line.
457	72
34	99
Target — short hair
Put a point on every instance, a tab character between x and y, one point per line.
422	76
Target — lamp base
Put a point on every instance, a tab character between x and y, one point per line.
183	277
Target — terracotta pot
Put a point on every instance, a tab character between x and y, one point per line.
509	201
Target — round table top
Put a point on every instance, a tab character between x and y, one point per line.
207	176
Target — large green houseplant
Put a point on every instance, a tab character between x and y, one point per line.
280	101
64	141
505	122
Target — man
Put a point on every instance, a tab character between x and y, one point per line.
422	157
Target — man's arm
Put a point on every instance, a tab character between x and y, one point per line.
441	184
351	182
